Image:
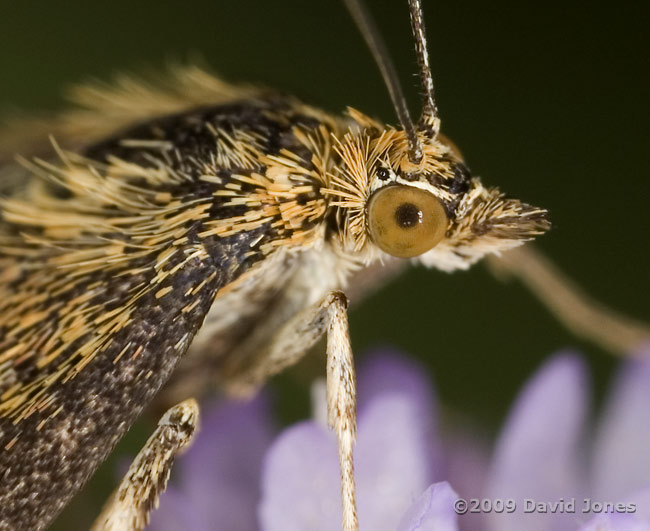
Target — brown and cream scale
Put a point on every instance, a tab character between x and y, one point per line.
249	203
222	221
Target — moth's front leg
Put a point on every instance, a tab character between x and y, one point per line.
342	400
131	503
289	344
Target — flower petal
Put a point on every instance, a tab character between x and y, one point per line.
301	488
467	462
386	371
640	504
220	475
536	454
176	512
392	460
615	522
432	511
300	481
622	450
633	514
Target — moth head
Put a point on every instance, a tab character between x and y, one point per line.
408	191
436	212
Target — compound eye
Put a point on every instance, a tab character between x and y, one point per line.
405	221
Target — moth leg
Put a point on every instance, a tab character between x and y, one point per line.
129	506
289	344
577	311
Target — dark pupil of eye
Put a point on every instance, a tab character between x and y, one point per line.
383	174
407	215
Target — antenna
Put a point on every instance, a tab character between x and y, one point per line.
371	35
429	117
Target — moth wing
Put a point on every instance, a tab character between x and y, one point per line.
101	293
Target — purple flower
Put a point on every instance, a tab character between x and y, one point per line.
397	463
239	476
545	453
218	480
395	460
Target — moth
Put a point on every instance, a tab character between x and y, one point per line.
200	220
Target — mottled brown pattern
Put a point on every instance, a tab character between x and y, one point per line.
113	253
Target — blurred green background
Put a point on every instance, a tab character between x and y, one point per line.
547	100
